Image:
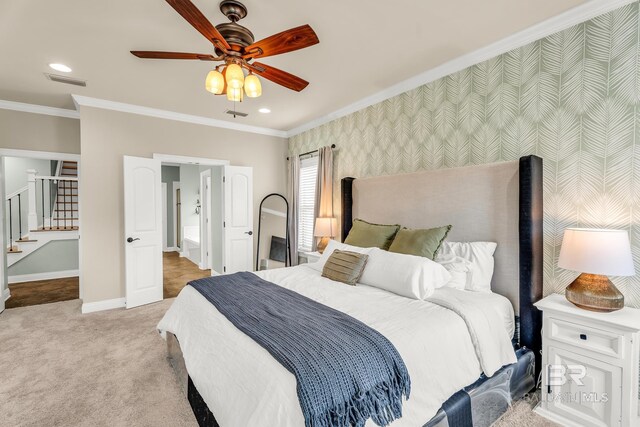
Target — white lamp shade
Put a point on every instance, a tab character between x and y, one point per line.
596	251
326	227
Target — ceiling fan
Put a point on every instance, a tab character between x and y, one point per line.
235	47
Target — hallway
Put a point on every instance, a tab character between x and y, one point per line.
43	292
177	272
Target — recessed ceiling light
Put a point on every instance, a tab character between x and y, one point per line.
264	110
60	67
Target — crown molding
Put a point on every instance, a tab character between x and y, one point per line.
85	101
573	16
39	109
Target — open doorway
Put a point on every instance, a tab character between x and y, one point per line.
192	223
152	274
41	227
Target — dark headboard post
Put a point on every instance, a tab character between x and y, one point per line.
531	254
347	205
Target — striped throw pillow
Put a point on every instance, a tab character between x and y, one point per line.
345	266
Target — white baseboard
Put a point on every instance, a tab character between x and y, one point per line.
172	249
43	276
6	294
109	304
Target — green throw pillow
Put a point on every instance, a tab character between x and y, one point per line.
420	242
345	266
368	235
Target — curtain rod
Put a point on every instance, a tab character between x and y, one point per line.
312	151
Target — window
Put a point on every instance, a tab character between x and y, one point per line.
306	208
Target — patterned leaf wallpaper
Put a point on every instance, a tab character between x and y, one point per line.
572	98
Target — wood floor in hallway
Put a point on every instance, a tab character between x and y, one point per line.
43	292
178	272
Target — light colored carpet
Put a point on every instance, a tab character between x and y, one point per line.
62	368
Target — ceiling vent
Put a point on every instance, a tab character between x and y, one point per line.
65	79
236	113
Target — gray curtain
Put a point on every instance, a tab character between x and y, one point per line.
293	193
324	186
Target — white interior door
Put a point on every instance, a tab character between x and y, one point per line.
238	219
143	230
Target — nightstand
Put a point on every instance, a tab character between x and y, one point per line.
311	256
590	365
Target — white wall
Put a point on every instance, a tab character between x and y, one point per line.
15	178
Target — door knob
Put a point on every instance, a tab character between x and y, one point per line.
250	233
131	239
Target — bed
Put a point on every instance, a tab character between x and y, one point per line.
230	380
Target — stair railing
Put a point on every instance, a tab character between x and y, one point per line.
11	199
66	184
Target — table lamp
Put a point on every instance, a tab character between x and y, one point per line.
596	254
325	228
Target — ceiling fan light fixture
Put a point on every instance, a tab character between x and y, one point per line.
214	82
235	94
252	86
235	76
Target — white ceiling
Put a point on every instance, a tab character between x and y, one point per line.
365	47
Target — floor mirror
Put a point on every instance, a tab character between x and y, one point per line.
273	233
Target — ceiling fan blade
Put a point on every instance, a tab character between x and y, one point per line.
286	41
191	13
278	76
148	54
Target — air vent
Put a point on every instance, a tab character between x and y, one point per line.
65	79
236	113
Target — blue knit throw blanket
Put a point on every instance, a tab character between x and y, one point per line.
346	371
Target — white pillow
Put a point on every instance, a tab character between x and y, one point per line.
460	270
332	246
480	254
407	275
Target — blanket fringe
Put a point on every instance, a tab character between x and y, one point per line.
382	403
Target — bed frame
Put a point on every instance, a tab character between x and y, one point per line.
481	202
499	202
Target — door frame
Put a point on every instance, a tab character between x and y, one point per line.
205	220
165	226
176	187
41	155
187	160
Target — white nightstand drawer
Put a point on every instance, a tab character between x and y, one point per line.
586	337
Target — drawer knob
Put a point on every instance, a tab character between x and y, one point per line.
583	337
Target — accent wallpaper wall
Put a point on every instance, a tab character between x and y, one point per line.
572	98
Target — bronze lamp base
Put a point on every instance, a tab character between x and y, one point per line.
322	244
594	292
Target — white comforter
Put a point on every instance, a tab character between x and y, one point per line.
243	385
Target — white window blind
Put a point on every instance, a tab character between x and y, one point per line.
308	177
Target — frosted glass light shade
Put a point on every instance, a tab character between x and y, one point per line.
234	94
235	76
326	227
252	86
596	251
214	82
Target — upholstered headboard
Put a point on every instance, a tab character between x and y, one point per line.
499	202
